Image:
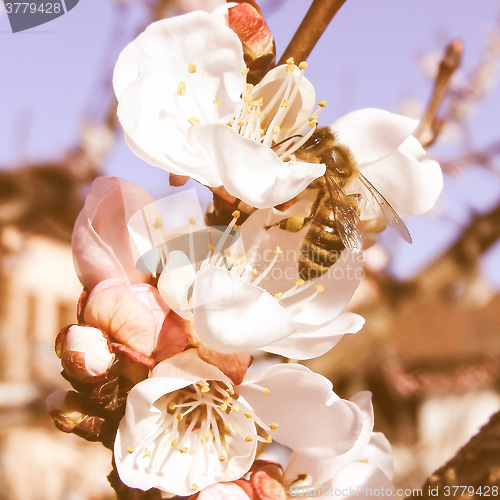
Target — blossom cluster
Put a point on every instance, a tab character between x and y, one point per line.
176	315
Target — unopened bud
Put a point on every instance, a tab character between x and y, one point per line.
66	410
84	352
256	38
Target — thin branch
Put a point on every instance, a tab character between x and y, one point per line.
430	125
315	22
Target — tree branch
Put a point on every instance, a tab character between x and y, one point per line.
315	22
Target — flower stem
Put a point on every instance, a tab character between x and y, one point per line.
313	25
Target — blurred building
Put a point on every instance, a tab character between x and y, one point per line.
38	295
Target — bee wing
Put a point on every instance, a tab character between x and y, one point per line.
392	218
346	218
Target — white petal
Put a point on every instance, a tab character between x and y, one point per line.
379	454
147	77
232	315
249	170
372	133
358	479
301	402
322	470
175	281
301	106
410	182
312	341
314	308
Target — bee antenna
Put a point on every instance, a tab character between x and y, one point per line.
284	140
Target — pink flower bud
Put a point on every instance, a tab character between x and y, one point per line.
258	43
132	315
84	352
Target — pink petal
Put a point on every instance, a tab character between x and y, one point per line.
101	243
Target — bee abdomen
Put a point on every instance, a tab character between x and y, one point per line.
322	246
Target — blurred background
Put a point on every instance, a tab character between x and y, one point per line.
430	349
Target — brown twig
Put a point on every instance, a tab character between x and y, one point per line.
315	22
430	125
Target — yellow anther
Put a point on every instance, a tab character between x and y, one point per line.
207	434
273	427
265	391
195	486
192	222
235	408
300	282
278	295
285	103
203	441
147	453
194	121
181	88
236	214
290	60
241	123
174	443
192	67
205	388
322	104
130	449
222	458
247	98
269	439
223	407
228	400
278	251
179	416
302	65
248	415
320	288
249	87
228	427
276	130
249	439
249	108
254	272
171	405
312	121
183	450
262	131
236	228
245	71
217	102
157	223
230	391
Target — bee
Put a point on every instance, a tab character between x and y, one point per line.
334	217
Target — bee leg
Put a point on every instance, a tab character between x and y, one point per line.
292	224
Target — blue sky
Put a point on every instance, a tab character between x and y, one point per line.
58	74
